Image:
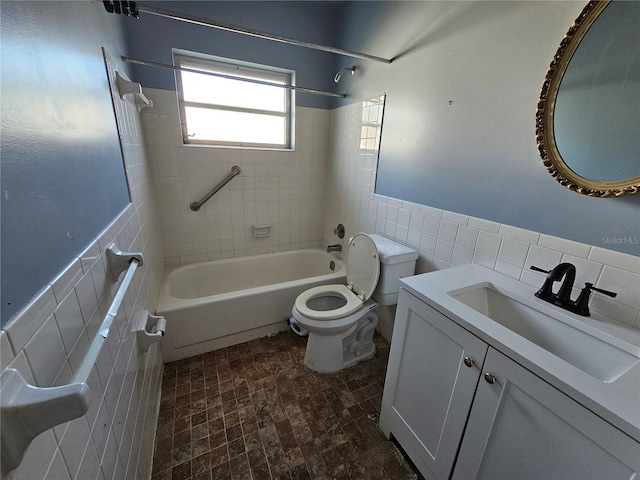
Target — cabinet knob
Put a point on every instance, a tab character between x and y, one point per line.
469	362
489	378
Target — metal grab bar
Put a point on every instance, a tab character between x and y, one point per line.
27	410
195	206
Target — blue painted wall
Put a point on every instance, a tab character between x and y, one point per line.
153	38
458	129
63	177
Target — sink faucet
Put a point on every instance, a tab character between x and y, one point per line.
334	248
563	297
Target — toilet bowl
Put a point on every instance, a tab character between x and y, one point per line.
341	319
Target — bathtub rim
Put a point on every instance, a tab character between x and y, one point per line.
168	303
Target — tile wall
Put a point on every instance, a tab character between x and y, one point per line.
282	188
47	341
445	239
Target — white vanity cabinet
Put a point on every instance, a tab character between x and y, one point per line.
519	427
522	427
432	374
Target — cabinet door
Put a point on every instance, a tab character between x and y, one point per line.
429	388
521	427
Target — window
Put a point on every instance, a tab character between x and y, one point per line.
236	108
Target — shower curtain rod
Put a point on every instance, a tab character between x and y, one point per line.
231	77
243	31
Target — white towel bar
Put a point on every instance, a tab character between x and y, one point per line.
26	410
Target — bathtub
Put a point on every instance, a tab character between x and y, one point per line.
220	303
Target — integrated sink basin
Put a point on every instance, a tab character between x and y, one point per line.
595	356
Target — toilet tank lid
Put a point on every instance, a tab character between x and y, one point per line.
391	252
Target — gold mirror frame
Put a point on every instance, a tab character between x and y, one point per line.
545	137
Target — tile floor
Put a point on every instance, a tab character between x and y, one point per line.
252	411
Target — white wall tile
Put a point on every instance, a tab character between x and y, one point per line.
444	250
431	226
416	221
486	225
624	283
519	234
484	260
448	231
513	252
25	323
413	239
86	293
65	281
467	237
488	244
461	256
612	309
455	217
45	353
430	211
76	433
615	259
57	468
508	269
428	244
404	217
69	319
566	246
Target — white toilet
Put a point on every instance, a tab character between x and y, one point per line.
340	318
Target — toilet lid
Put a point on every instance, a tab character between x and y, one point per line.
363	265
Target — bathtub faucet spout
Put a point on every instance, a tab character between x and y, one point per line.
334	248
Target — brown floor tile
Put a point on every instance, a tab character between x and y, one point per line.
254	412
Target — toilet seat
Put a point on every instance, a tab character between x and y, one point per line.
363	270
353	302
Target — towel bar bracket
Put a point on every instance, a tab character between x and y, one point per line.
119	261
27	411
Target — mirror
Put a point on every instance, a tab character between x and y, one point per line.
588	118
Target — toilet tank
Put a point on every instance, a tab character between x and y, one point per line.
396	261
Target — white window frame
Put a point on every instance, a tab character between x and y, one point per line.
230	67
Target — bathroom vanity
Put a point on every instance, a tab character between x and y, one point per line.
486	381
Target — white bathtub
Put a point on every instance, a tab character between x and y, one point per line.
216	304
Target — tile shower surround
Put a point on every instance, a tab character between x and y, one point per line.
253	411
47	340
278	187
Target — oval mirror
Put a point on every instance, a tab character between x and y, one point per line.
588	117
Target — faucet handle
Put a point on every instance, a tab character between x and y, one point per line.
545	293
581	305
538	269
606	292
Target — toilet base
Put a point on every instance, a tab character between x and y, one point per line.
331	353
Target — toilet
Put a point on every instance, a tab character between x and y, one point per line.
340	318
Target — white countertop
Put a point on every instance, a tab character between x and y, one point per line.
618	402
